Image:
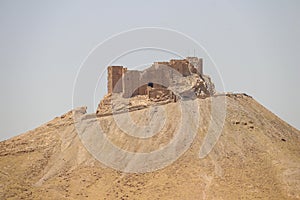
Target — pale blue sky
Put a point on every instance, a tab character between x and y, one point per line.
255	44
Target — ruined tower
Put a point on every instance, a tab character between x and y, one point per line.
115	74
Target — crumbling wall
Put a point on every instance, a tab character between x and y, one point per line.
160	75
195	65
163	82
182	66
160	94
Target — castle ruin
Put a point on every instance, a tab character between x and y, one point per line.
161	82
158	77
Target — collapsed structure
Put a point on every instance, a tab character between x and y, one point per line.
163	82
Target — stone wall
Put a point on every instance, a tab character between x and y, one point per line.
160	74
160	94
195	63
131	83
114	74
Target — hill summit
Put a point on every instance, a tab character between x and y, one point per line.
157	137
256	156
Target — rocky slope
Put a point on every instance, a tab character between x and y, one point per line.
257	156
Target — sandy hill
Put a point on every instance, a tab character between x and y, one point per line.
257	156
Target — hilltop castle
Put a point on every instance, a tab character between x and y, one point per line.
162	82
153	80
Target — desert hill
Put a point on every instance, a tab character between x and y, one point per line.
257	156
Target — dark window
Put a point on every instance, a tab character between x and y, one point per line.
150	84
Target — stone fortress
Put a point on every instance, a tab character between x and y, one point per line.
161	83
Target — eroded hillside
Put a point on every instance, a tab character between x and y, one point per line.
257	156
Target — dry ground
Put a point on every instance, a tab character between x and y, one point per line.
256	157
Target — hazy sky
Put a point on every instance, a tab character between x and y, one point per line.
255	44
